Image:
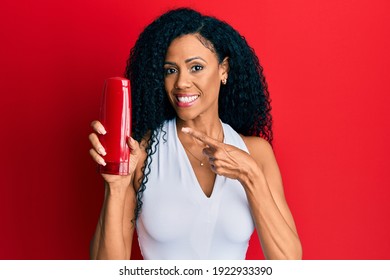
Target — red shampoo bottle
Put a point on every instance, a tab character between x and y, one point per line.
115	115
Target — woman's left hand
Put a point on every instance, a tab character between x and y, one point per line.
225	159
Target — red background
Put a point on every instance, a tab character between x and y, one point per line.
327	65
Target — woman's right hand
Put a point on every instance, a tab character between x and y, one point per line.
97	152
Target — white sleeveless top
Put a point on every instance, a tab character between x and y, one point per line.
178	221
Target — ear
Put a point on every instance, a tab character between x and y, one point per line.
224	68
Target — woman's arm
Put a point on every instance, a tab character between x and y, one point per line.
114	232
264	188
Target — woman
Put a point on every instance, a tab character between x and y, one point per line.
203	175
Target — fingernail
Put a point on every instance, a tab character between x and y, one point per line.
102	162
102	130
185	129
102	151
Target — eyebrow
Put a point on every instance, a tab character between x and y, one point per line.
187	60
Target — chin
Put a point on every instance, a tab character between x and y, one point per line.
186	116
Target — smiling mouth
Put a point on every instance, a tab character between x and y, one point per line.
187	99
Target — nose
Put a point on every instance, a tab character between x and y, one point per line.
183	80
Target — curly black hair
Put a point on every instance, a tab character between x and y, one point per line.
244	101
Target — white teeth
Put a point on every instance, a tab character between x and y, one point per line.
187	99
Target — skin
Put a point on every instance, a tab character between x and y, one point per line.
192	70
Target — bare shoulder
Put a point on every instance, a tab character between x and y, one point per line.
263	154
259	149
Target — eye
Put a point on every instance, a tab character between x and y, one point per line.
168	71
196	68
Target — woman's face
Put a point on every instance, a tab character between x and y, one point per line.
193	77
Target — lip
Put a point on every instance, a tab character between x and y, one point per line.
188	102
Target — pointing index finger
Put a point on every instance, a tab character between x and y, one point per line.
201	137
